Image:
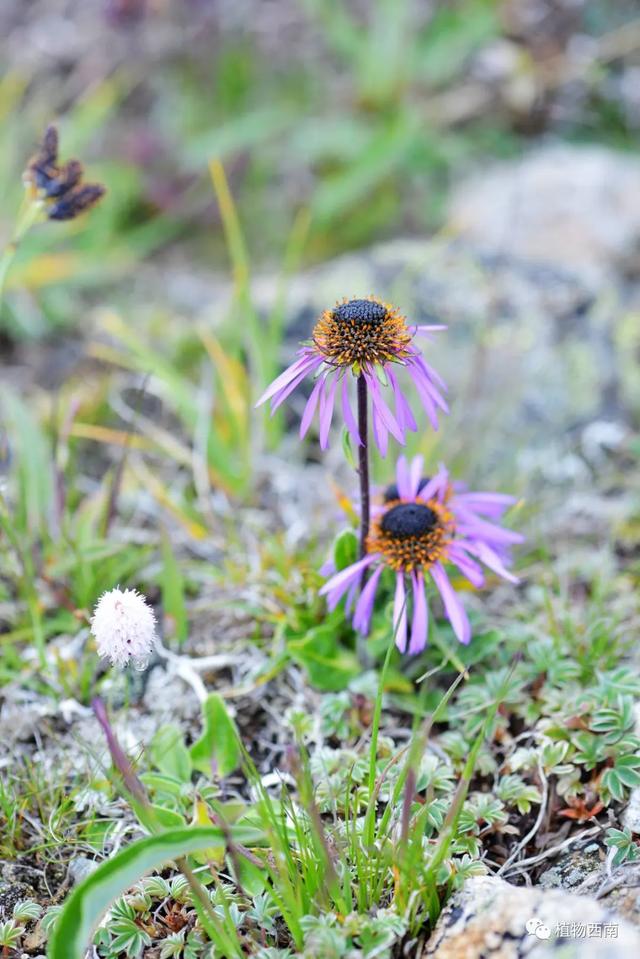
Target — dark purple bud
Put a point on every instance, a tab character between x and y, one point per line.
76	202
68	178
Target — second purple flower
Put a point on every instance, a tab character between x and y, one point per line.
424	524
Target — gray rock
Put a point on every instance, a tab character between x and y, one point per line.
572	869
80	867
574	206
586	869
488	917
631	815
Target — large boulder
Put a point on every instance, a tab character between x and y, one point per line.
489	917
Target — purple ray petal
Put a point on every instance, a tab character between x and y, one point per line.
380	432
327	398
404	415
383	411
433	328
481	529
327	567
492	505
452	604
433	374
347	412
436	486
364	607
425	398
420	623
421	376
282	394
491	559
400	613
307	362
351	596
345	576
310	407
467	566
403	480
415	474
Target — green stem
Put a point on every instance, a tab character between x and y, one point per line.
29	214
369	825
207	914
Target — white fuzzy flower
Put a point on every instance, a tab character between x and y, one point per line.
124	627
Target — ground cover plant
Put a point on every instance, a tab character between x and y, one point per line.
283	666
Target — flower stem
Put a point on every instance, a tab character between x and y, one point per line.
365	500
363	467
29	213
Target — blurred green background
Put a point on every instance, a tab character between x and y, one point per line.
344	122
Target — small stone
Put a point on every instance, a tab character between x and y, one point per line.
600	439
80	867
490	917
631	815
573	867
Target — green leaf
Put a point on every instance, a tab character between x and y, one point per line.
617	837
164	785
87	903
253	878
169	753
345	549
612	782
168	818
218	747
346	448
330	667
630	777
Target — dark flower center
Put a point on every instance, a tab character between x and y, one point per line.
408	519
360	311
392	492
412	536
361	334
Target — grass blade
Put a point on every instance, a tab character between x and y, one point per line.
88	902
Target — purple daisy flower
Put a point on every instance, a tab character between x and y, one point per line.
367	338
422	524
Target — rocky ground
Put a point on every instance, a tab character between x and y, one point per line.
536	276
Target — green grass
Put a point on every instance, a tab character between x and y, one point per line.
342	871
348	128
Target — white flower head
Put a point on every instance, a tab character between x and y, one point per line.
124	626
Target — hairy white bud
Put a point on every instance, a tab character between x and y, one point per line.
124	626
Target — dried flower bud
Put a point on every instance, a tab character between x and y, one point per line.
59	186
124	627
68	178
44	164
76	202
